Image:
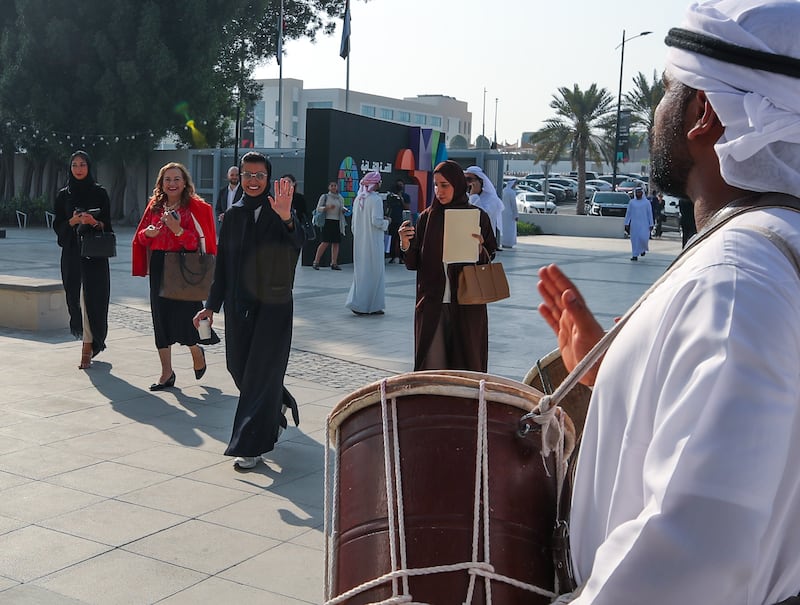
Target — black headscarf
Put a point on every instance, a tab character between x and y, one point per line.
79	188
432	242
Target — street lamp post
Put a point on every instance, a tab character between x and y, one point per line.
483	127
619	103
495	121
236	127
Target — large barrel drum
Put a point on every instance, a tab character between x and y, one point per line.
424	466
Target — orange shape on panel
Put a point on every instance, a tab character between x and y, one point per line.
405	160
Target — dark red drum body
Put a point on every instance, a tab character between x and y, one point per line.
437	427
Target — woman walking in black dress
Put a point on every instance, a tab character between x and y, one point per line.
80	207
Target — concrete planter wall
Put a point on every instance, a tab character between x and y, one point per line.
577	225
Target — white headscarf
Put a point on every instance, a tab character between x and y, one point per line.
487	182
760	149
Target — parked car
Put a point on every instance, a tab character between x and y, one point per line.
672	212
534	203
630	185
589	175
609	203
557	190
671	207
559	194
599	184
620	177
570	185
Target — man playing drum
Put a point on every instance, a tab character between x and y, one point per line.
687	489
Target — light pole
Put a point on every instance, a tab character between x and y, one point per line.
236	127
495	121
619	102
483	128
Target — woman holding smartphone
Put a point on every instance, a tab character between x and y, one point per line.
80	207
447	335
170	224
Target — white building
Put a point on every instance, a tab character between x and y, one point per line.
438	112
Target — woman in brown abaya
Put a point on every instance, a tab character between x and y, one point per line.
447	335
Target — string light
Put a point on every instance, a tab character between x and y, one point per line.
275	131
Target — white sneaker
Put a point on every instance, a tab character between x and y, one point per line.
245	461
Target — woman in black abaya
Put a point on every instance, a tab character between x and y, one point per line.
80	207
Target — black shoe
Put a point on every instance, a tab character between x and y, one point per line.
643	253
160	386
198	374
358	312
634	258
377	312
391	261
336	267
315	266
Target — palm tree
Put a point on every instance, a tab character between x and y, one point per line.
643	100
580	117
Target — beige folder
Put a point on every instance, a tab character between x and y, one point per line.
459	245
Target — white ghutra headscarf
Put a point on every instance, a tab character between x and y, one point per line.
757	102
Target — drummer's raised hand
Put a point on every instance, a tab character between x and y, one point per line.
565	311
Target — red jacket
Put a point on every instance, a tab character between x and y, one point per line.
201	210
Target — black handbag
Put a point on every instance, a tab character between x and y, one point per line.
308	231
99	244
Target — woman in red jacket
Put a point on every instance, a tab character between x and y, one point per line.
170	224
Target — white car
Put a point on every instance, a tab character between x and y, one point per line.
533	202
599	185
671	207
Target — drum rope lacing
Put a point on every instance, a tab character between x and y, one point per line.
397	530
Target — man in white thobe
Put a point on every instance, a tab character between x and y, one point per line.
638	223
510	215
368	293
483	195
687	488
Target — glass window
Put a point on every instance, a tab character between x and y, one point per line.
368	110
420	118
403	116
436	121
203	172
387	114
320	104
295	107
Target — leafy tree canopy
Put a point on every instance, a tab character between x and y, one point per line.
117	76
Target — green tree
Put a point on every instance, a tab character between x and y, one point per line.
578	126
642	101
116	77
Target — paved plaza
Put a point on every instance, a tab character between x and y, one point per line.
112	494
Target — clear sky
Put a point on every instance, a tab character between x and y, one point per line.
520	51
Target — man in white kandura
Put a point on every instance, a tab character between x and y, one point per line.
368	293
687	487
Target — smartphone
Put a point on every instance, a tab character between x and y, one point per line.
175	215
406	215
